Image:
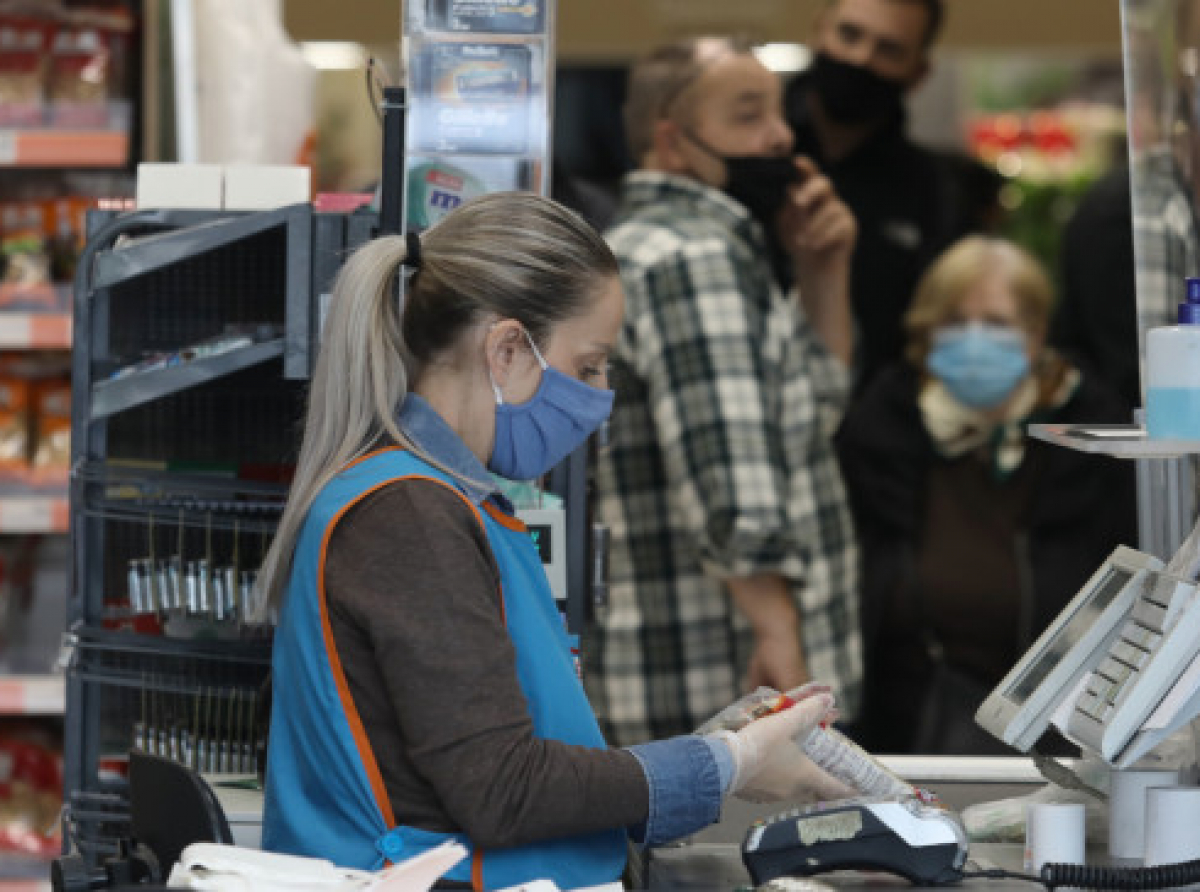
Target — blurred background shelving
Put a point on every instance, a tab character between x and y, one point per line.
70	77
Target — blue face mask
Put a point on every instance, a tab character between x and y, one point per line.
979	363
534	436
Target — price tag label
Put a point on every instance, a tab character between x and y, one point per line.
8	147
12	697
33	515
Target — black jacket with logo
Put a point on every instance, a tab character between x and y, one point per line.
910	203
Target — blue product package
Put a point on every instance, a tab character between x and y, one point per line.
488	16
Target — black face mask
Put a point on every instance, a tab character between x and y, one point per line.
758	182
852	94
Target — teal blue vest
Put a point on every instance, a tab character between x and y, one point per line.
325	797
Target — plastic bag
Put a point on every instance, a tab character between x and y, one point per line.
1003	820
245	62
219	868
737	715
830	750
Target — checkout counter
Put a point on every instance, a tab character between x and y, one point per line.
1117	673
711	859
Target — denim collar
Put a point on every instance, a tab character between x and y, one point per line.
425	427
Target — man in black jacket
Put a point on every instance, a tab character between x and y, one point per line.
847	112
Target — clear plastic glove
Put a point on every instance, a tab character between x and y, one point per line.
770	766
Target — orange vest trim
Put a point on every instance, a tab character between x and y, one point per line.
339	676
372	454
477	871
505	520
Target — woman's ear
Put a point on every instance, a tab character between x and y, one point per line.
502	345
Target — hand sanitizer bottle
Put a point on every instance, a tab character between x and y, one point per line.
1173	373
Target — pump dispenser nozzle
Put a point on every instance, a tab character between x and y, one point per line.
1189	310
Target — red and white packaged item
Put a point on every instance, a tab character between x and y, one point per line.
51	433
24	50
78	79
88	69
30	798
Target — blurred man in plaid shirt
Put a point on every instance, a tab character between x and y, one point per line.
733	559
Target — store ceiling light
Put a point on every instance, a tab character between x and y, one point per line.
783	57
334	55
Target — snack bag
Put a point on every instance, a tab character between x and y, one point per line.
829	749
24	250
30	799
14	429
737	715
24	46
52	433
78	79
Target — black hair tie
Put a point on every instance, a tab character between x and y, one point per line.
412	244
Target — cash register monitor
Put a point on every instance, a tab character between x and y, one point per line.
1018	711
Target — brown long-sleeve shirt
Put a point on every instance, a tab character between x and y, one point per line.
413	594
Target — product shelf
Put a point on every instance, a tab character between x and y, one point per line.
32	695
36	147
146	495
109	649
36	297
33	512
117	395
197	234
1117	440
24	330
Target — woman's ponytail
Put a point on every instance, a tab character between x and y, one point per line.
359	380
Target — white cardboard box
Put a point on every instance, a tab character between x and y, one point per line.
261	187
165	185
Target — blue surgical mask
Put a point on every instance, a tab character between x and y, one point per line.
980	363
534	436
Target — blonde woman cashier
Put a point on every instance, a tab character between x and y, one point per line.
424	689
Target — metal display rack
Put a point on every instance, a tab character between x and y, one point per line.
180	456
1166	476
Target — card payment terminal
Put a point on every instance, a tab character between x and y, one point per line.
923	843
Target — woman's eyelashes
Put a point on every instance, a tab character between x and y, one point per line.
594	372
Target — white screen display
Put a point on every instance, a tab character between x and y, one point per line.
1060	645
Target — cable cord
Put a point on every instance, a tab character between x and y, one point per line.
1083	876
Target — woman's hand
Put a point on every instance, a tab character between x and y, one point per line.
769	764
